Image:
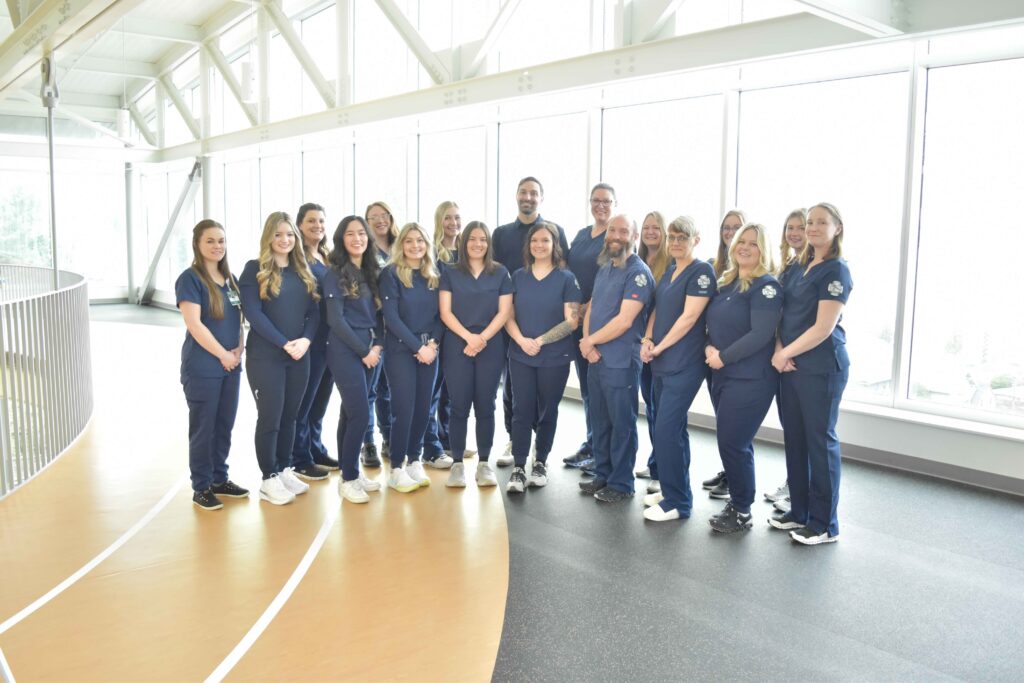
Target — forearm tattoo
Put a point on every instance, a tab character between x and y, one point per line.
562	329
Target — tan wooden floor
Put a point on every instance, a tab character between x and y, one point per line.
407	587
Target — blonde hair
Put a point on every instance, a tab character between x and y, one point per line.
199	267
402	269
786	253
443	253
763	267
722	259
659	262
836	249
269	275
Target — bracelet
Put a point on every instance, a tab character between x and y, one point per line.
644	340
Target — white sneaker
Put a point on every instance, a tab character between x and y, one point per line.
352	491
485	475
656	514
645	473
416	473
293	483
400	481
369	484
441	462
653	499
505	459
457	476
273	491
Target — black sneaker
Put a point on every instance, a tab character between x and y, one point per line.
714	481
593	486
784	521
230	489
730	520
517	482
721	492
327	462
610	495
577	459
588	468
808	537
784	505
311	472
369	455
385	451
205	500
538	475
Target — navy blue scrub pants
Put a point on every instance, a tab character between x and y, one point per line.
582	369
647	392
473	382
740	407
435	441
613	412
674	395
412	385
536	395
277	386
212	405
380	398
810	410
353	380
309	447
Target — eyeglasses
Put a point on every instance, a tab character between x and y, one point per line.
602	202
678	239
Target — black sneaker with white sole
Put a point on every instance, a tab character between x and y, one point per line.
205	500
610	495
730	520
369	455
784	521
592	486
538	475
808	537
311	472
230	489
517	482
720	492
328	462
714	481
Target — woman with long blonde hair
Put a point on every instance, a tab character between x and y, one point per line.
742	320
280	300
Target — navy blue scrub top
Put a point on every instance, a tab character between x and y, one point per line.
508	242
195	360
632	282
539	306
319	270
583	253
698	279
741	325
291	314
827	281
475	299
409	312
346	314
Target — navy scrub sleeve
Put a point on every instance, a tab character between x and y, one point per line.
697	279
195	360
632	282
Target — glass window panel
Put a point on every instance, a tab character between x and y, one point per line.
243	222
453	167
541	31
842	142
280	184
284	81
383	174
24	212
384	65
966	344
323	182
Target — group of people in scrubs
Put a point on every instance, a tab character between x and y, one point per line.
417	328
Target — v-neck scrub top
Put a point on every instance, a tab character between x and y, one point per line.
697	279
540	305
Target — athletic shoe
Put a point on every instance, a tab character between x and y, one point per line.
721	492
273	491
369	485
780	493
457	476
593	486
506	459
714	481
352	491
292	483
610	495
441	462
538	475
517	482
784	521
467	454
230	489
369	455
645	473
653	498
808	537
784	505
654	486
205	500
416	473
730	520
385	451
400	481
578	458
327	461
311	472
485	475
656	514
589	468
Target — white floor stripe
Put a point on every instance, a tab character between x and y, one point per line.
88	567
6	675
277	603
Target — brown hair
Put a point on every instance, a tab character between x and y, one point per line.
199	266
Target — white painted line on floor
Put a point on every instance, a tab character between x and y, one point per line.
277	603
91	564
6	675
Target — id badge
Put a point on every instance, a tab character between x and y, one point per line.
233	298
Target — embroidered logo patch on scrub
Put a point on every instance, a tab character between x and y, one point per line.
769	292
703	281
835	288
640	280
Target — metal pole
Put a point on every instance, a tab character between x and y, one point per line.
129	222
51	97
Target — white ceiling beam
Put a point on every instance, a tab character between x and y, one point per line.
15	107
491	38
220	62
92	125
115	67
141	124
68	149
872	17
438	72
160	30
14	10
89	99
284	25
179	103
650	18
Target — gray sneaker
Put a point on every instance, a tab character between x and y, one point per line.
506	459
538	475
485	475
780	493
517	482
457	476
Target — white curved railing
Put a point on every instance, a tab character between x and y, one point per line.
45	369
